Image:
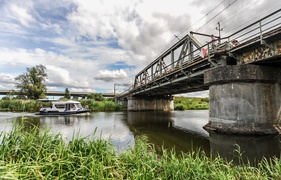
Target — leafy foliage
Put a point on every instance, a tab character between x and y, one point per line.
186	103
96	96
66	94
20	105
105	105
31	82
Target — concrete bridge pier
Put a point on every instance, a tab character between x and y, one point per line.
150	103
244	99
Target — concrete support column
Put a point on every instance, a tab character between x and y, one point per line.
123	101
244	99
143	103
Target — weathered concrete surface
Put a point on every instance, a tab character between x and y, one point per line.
123	102
244	99
162	103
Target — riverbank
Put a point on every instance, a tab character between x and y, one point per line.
29	154
180	103
190	103
17	105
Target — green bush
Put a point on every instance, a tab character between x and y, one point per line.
185	103
179	107
105	105
34	106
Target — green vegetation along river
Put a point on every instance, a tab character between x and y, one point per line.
60	154
181	130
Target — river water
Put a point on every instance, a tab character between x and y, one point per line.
181	130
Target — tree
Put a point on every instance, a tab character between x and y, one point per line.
66	94
95	96
31	82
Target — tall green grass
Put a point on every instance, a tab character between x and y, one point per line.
34	155
191	103
20	105
105	105
16	105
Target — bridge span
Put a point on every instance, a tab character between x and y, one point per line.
241	71
62	93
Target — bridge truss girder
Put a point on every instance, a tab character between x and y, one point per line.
180	69
178	56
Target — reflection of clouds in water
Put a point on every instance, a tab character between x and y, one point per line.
8	118
98	125
6	125
190	121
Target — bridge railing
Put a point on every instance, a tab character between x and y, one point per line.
160	69
257	31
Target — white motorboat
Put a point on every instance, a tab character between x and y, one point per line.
64	108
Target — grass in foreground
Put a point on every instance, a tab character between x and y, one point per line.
34	155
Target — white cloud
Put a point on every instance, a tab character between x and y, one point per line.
110	76
5	78
21	14
80	41
201	94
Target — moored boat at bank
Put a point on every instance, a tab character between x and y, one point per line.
64	108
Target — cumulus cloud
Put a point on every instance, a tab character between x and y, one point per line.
6	78
6	81
57	76
81	42
110	76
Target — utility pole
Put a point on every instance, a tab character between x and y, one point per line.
116	84
177	37
219	29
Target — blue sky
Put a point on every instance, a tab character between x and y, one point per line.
89	45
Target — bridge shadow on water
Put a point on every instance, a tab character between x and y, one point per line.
163	130
245	149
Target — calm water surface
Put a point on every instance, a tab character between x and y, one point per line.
181	130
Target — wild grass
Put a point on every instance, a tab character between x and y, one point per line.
180	103
105	105
16	105
191	103
20	105
42	155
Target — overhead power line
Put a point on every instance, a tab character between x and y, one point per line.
203	17
177	36
216	15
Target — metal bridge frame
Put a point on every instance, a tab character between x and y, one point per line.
189	58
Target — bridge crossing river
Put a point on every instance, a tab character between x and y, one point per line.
181	68
241	71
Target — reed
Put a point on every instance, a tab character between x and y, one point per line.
105	105
190	103
17	105
31	154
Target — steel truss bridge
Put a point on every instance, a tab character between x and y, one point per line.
180	69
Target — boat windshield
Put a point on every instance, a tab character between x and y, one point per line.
60	106
78	105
